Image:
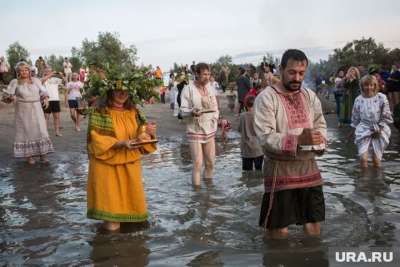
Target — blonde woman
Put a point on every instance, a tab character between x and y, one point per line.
31	137
370	119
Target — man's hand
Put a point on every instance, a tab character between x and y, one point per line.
310	137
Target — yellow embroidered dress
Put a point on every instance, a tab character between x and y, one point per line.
115	189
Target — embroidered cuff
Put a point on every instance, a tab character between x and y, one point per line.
289	144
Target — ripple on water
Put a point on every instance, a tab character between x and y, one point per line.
43	219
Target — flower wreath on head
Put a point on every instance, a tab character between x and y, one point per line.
141	87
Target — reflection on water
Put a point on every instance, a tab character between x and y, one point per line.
42	212
122	249
305	251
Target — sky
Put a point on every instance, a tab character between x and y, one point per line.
181	31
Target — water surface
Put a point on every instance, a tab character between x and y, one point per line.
42	213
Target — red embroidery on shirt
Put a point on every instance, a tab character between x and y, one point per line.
289	144
297	112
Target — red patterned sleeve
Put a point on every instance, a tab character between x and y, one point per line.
289	144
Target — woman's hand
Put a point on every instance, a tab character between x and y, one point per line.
376	134
45	103
128	144
8	99
151	129
350	136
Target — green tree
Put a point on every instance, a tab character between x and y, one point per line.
225	60
76	59
108	50
269	58
56	63
361	52
176	68
394	56
76	64
15	53
116	69
365	52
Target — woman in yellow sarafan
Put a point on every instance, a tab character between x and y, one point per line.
115	191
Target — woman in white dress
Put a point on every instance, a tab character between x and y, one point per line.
370	118
31	137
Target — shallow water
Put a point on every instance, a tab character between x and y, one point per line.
42	213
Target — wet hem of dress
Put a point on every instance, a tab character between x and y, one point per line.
114	217
261	223
33	155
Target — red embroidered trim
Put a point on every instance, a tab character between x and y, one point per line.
297	112
196	136
292	182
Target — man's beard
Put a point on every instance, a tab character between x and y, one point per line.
292	86
203	82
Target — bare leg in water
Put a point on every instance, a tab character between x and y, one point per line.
111	226
312	229
196	152
209	158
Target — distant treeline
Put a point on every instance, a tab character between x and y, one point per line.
364	52
108	50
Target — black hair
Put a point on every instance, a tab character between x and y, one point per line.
106	101
181	85
200	67
293	54
250	101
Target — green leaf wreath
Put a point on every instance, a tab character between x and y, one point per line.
138	81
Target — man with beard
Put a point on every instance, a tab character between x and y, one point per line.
292	130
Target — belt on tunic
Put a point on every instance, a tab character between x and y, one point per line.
28	101
271	194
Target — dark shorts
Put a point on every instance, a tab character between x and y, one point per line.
295	206
54	107
393	90
73	103
248	163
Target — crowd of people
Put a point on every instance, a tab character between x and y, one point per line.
346	87
368	100
283	128
36	93
281	123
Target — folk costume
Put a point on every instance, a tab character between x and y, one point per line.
292	180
